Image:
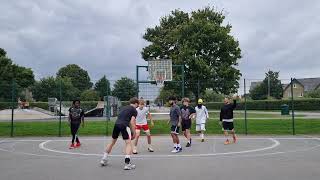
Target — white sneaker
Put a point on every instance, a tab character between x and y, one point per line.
104	162
129	166
175	150
134	151
150	149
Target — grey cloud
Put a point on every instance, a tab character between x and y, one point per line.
105	37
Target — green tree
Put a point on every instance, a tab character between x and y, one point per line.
211	96
50	87
102	87
79	77
125	89
272	83
45	88
23	77
89	95
200	41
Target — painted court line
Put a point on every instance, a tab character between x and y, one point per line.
275	144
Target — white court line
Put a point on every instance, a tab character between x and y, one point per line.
275	144
162	138
235	156
283	152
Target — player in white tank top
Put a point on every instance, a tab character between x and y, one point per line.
142	123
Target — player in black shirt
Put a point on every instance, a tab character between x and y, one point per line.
76	116
125	121
187	112
226	118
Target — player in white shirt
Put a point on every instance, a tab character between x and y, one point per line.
142	123
201	118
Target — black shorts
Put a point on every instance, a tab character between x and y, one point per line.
227	126
186	124
174	129
123	129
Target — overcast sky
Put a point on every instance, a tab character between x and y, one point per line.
105	36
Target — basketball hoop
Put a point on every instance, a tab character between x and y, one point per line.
159	81
160	71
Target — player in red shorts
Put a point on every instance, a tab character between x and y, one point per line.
141	123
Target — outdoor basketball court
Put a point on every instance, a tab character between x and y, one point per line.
253	157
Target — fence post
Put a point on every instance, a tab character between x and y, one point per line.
292	109
137	80
245	108
183	83
198	90
12	105
60	97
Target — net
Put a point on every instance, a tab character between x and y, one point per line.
160	71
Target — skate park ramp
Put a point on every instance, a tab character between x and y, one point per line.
97	111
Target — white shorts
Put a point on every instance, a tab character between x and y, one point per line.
200	127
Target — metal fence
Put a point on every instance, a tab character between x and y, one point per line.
29	111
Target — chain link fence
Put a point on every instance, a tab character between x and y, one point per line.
263	106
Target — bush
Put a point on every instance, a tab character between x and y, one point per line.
301	104
89	95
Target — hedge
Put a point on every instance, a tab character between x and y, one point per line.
303	104
86	105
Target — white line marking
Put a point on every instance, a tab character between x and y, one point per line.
275	144
161	138
235	156
283	152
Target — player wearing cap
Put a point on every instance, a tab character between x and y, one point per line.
201	118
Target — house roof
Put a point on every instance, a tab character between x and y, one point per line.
309	84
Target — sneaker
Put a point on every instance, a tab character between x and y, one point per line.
227	142
202	140
150	149
188	145
104	162
235	139
78	145
134	151
175	150
129	166
72	146
179	149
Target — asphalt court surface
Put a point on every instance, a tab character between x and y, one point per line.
253	157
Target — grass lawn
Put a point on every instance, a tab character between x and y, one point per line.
255	127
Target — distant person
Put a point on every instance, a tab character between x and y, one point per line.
201	118
76	117
226	118
142	124
175	121
126	125
187	112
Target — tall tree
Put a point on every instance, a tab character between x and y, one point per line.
103	87
79	77
89	95
125	89
271	83
50	87
23	77
200	41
